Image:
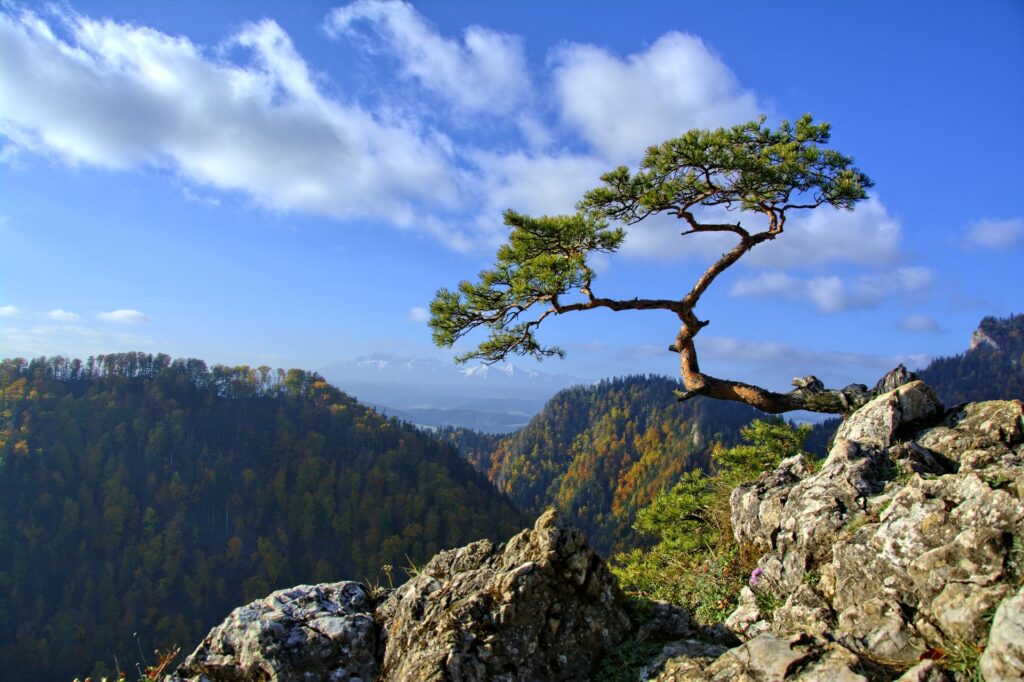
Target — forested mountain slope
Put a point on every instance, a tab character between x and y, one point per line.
598	453
141	494
991	369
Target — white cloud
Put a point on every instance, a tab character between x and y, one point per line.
9	311
868	235
539	184
121	96
621	106
485	72
61	315
531	183
995	234
830	294
921	324
418	314
124	316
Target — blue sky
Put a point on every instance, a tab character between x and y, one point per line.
289	183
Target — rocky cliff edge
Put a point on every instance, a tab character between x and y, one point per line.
902	557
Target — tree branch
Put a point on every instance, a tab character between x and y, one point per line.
809	394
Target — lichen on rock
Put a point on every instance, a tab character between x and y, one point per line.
321	632
542	607
909	562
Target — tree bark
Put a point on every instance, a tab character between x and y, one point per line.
810	394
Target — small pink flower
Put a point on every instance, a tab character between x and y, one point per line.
755	575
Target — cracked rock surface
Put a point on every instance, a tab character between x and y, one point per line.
907	540
308	632
543	606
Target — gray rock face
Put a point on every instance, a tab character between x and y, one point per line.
767	657
1004	656
908	538
542	607
318	632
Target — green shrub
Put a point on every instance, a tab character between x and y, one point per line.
696	562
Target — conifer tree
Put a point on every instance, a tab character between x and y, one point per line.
544	269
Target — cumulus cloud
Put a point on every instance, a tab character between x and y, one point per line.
867	235
9	311
920	324
124	316
831	294
995	234
61	315
418	314
537	184
486	71
623	105
250	116
120	96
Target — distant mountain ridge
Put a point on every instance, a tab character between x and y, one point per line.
992	368
393	369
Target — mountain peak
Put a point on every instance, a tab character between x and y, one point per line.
1000	334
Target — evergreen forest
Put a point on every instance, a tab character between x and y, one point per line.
599	453
992	369
144	497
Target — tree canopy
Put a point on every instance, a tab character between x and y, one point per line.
544	269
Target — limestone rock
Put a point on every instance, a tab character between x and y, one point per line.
322	632
747	621
682	660
542	607
665	622
767	657
804	611
904	540
879	421
980	436
1004	656
756	508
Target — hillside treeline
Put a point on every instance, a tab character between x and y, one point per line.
599	453
993	369
141	494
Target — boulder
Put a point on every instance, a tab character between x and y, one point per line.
1004	656
766	657
907	540
543	606
925	671
309	632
